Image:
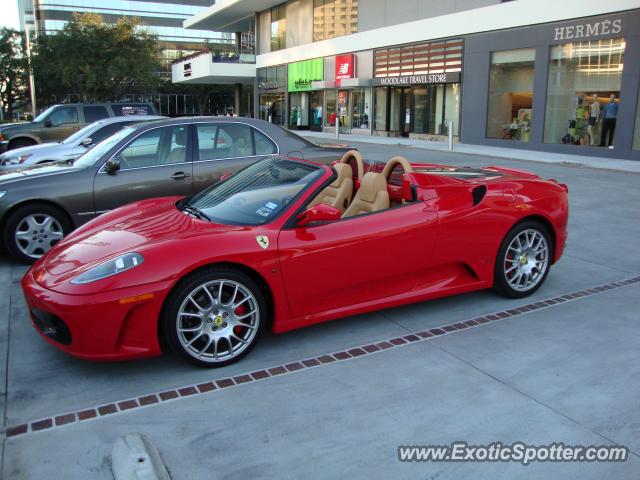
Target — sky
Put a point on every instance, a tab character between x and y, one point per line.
9	17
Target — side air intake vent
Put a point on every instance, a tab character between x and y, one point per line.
478	194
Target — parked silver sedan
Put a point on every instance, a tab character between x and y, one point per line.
72	147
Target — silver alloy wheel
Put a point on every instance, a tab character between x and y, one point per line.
37	233
526	260
217	320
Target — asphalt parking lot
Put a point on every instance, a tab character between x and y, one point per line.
564	371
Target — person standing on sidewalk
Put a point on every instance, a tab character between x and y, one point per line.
609	115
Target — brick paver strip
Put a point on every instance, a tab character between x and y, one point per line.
321	360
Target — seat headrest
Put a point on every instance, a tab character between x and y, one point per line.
371	184
344	173
181	137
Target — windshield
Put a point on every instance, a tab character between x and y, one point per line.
80	134
96	153
256	194
43	115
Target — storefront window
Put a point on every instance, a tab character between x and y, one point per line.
511	94
361	99
315	101
583	92
381	109
299	109
278	27
272	107
330	110
343	108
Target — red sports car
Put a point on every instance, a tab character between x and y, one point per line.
287	243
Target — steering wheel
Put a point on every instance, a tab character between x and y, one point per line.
357	156
391	164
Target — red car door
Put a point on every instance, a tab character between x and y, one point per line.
357	260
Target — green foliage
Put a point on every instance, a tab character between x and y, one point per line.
13	70
98	60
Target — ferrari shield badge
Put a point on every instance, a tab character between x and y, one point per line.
263	241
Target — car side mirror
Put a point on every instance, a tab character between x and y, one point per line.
47	123
319	213
112	166
86	142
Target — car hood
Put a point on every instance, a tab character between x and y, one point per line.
42	170
129	228
16	126
40	148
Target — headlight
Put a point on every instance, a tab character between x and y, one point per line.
15	160
112	267
2	193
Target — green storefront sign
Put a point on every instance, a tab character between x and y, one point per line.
301	74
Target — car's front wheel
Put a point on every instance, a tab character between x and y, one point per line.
214	317
31	230
523	260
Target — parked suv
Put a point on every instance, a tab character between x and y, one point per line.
60	121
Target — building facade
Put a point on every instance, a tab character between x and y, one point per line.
552	76
164	18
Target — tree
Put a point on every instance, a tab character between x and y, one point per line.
13	70
97	60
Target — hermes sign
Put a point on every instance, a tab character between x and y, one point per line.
589	30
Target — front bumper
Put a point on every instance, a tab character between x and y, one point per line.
114	325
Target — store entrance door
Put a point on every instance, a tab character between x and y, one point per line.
406	111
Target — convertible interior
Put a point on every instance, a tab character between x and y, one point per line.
355	192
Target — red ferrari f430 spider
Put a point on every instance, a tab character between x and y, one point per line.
287	243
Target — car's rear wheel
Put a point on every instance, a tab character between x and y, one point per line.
523	260
20	142
31	230
214	317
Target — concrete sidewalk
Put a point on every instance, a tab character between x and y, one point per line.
514	153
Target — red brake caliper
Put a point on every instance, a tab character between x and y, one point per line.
238	330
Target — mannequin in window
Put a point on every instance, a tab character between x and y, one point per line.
609	116
594	113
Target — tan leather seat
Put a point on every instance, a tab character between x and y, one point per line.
338	194
371	197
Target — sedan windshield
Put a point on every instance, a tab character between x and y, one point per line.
96	153
80	134
254	195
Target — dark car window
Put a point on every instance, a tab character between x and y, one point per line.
264	146
256	194
107	131
160	146
97	153
95	113
132	109
224	141
63	116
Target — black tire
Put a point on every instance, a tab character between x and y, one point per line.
39	211
177	300
20	142
505	262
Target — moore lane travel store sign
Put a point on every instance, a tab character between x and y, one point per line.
302	74
430	78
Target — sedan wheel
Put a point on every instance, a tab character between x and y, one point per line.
32	230
214	318
524	259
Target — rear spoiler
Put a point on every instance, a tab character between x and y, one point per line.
525	174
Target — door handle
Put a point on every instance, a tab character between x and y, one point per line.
180	176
